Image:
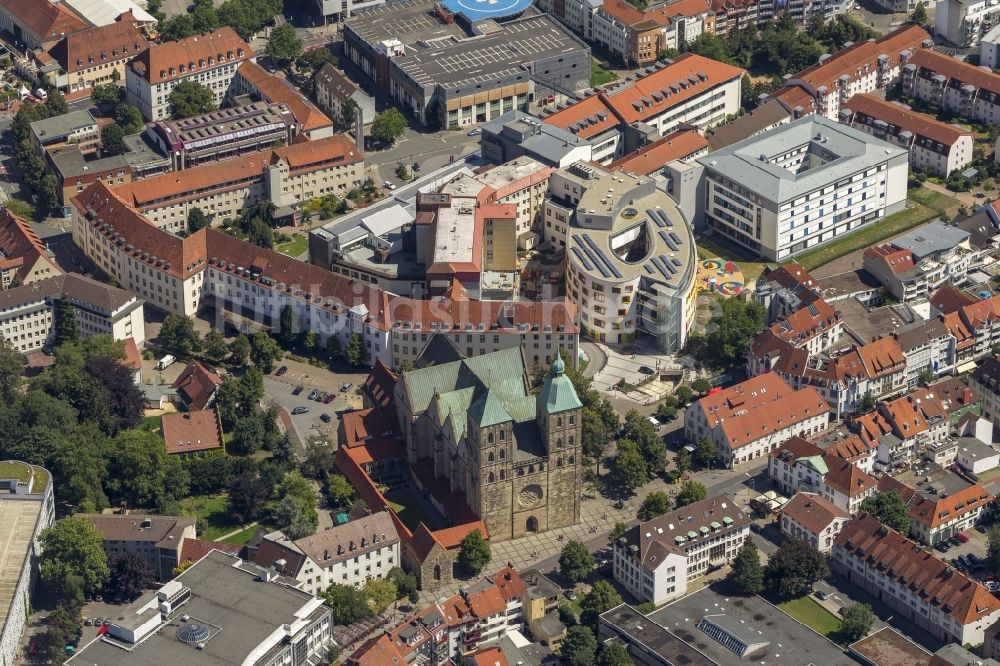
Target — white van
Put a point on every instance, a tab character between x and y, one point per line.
41	94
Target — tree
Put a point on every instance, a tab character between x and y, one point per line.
138	468
639	430
683	461
129	118
355	351
792	570
993	550
856	622
178	337
474	552
402	171
692	491
348	111
284	45
618	530
580	646
214	346
130	576
264	351
333	350
867	402
196	220
125	401
729	332
247	494
319	459
701	385
348	603
66	329
107	96
48	196
288	325
248	435
656	504
311	61
630	468
56	102
925	377
704	452
747	574
296	517
112	140
890	509
11	369
73	547
602	597
240	348
406	584
379	594
919	15
190	98
310	341
575	561
388	126
684	395
614	654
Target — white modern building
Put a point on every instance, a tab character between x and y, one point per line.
630	254
989	48
348	554
210	59
27	313
914	265
800	185
964	22
220	610
26	508
656	559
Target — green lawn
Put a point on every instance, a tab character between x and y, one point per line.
810	613
213	513
713	248
599	75
151	424
294	247
242	538
926	205
407	508
15	470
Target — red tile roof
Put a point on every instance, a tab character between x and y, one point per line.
901	118
954	593
379	651
197	384
188	432
101	45
929	62
949	299
896	260
490	657
187	57
807	322
653	157
794	448
193	550
881	357
19	241
46	19
278	90
132	357
846	477
369	426
589	112
812	511
981	312
379	384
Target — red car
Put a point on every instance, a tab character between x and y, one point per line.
961	537
329	398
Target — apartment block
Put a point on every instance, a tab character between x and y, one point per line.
156	539
810	518
334	91
965	23
920	587
752	418
917	263
656	559
636	37
831	474
937	147
942	507
985	382
210	59
945	83
349	554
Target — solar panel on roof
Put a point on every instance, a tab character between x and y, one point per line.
653	217
649	269
659	267
583	260
600	253
676	238
663	216
667	264
812	310
670	243
676	262
593	258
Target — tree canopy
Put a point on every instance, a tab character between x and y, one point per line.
856	621
474	552
284	45
190	98
691	492
72	546
348	603
388	126
747	573
735	322
575	561
792	570
580	646
656	504
602	597
178	337
890	509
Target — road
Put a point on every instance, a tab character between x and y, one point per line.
430	150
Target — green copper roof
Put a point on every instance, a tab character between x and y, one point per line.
489	411
817	463
557	393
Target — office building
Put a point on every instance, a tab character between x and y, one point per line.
220	610
210	59
518	134
444	71
156	539
97	56
936	147
76	127
801	185
256	82
27	313
631	256
656	559
812	519
26	508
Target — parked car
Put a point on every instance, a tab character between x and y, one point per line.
282	370
571	595
954	540
312	394
88	622
974	560
346	386
328	398
325	418
297	390
942	546
299	410
475	132
822	595
961	536
646	370
982	529
389	186
416	167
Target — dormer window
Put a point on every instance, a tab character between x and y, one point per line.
229	54
182	69
172	71
163	73
114	53
239	52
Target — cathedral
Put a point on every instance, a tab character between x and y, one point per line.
480	443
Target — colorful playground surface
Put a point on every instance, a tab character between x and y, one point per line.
720	277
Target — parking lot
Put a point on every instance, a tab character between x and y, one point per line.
282	389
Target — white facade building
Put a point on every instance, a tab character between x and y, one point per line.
810	518
800	185
964	23
656	559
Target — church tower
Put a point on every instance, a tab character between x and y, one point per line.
491	449
558	411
